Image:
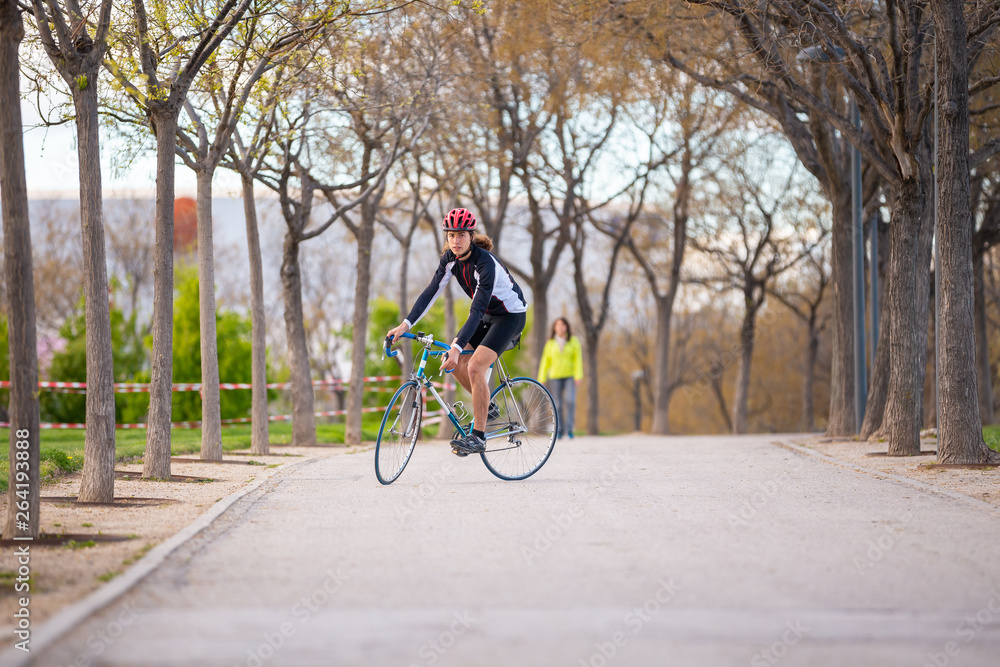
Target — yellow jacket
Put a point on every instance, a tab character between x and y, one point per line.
561	364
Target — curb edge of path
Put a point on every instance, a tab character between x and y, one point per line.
69	617
923	486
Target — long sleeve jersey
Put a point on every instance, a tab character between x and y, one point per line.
484	278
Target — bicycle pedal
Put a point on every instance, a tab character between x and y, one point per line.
458	452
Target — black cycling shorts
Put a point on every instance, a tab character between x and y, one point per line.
495	332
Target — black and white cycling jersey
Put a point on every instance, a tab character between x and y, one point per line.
484	278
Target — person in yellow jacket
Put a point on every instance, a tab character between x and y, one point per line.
562	369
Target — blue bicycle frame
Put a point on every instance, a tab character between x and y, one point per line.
420	377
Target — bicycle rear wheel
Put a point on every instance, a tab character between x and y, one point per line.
398	433
525	432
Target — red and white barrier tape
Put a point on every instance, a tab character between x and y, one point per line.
143	387
237	420
133	387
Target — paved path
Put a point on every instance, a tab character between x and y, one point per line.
621	551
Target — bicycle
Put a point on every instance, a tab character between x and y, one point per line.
519	437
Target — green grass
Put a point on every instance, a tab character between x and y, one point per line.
62	450
73	544
992	436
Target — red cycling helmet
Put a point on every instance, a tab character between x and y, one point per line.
459	220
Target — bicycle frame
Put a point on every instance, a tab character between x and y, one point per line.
428	342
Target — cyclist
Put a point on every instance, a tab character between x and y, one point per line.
496	317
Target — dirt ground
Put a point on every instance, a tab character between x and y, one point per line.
61	575
979	484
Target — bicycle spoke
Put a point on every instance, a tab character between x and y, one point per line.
398	434
527	409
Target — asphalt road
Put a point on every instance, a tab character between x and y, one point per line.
620	551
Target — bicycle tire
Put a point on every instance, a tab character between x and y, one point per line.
393	453
520	455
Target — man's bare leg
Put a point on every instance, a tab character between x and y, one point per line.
478	369
461	373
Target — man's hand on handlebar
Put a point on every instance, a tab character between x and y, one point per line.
451	360
394	333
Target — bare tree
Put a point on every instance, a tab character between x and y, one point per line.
419	201
247	159
161	93
751	251
292	180
699	124
715	55
386	89
502	61
960	434
984	238
78	56
594	319
878	61
131	251
23	448
806	302
228	82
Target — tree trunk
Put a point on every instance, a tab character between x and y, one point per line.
259	443
662	389
22	343
902	419
98	483
593	384
984	370
809	381
404	303
303	415
211	425
445	429
929	410
925	298
960	432
356	390
661	366
875	424
156	461
878	386
842	417
540	327
742	393
878	390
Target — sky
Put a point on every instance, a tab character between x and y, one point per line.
52	168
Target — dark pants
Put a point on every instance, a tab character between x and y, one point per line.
564	393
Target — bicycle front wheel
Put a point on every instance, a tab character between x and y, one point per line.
398	433
521	439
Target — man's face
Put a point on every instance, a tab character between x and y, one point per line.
459	242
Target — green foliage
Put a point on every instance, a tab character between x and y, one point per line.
61	460
86	544
70	365
131	353
385	315
991	434
234	352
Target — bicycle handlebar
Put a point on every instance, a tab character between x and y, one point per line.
389	341
424	338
